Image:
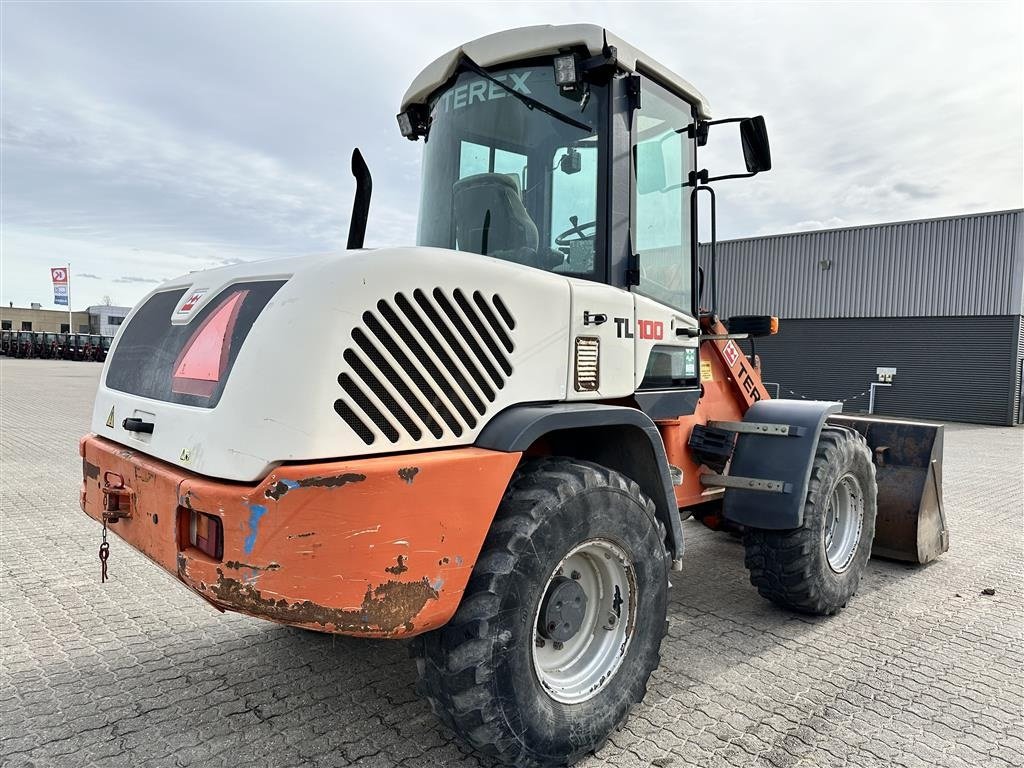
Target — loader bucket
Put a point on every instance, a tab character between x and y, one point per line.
911	522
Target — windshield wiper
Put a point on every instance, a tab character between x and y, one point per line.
527	100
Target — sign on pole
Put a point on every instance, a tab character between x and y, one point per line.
60	285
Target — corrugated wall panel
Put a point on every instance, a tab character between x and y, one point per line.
1018	392
948	368
961	266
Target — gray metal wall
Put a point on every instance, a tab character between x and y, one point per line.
1019	390
960	266
948	368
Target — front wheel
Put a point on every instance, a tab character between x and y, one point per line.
562	620
817	568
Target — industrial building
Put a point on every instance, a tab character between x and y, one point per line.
101	319
938	300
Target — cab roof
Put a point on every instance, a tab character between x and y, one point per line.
543	40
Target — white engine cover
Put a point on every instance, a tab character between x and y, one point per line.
376	351
279	402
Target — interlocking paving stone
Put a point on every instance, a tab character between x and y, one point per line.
138	672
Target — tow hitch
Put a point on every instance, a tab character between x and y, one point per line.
118	499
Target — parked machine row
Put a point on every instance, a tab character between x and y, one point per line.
90	347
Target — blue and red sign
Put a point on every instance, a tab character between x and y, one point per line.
60	285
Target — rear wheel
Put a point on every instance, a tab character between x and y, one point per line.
561	623
817	568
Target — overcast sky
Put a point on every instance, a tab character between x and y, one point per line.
143	141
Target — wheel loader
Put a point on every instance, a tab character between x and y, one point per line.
489	442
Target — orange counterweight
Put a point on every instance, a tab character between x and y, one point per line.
376	547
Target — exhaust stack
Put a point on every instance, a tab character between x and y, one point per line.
361	204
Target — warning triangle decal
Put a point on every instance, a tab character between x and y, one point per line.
110	418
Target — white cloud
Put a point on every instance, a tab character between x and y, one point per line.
220	134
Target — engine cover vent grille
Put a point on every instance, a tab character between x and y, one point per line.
424	365
588	359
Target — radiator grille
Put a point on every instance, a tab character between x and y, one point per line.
425	364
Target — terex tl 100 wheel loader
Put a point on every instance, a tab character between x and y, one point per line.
489	440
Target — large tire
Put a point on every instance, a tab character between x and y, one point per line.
792	568
479	672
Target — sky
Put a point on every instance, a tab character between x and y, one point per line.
142	141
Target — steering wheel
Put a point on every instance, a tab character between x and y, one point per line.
578	230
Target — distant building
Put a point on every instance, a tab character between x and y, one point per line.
941	301
100	319
49	320
106	320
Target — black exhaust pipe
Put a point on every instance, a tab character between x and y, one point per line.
361	204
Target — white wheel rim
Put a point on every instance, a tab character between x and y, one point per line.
844	522
584	664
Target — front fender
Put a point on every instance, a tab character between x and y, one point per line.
786	458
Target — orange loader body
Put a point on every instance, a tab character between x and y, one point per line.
374	547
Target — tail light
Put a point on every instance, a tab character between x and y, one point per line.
206	533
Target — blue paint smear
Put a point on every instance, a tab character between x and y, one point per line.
290	484
256	511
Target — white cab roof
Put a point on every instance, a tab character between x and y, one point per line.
542	40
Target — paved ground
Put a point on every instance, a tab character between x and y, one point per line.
920	670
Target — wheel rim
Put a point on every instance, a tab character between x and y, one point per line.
844	521
576	669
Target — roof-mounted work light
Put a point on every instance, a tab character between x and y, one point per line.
566	71
405	125
413	122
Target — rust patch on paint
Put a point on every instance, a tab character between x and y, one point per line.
408	474
90	470
281	487
235	564
387	608
400	568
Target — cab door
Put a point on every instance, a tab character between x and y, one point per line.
666	365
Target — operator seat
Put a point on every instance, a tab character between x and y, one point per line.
511	234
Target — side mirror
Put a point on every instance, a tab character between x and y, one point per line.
756	152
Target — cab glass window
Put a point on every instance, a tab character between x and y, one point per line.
663	159
512	181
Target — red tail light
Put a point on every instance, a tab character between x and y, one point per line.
206	533
204	359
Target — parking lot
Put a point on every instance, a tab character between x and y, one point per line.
922	669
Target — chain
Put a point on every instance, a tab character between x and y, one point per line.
843	400
104	551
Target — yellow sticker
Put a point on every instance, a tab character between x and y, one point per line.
186	456
705	371
110	418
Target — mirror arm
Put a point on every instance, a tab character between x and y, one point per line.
729	176
724	120
698	178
